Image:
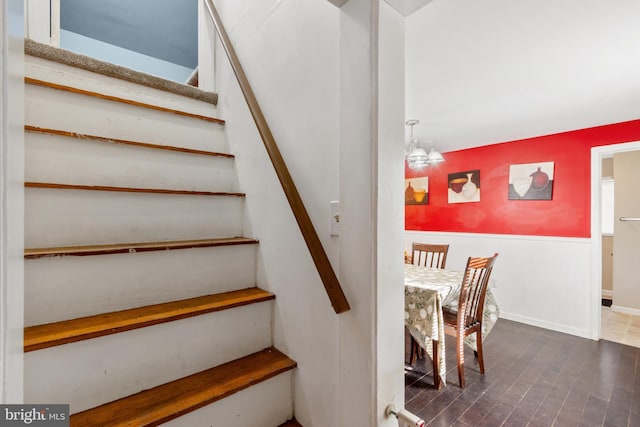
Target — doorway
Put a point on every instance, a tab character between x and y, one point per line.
600	315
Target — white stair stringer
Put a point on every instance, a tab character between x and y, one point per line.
98	370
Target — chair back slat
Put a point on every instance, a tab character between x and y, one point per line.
427	255
467	318
473	291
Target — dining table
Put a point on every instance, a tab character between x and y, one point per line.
426	291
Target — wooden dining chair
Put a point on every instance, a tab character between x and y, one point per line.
425	255
428	255
466	318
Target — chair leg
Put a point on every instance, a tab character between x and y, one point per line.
460	345
479	345
414	352
417	352
437	382
411	361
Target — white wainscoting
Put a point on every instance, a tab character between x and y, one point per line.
540	281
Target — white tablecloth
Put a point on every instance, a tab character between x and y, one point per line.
426	291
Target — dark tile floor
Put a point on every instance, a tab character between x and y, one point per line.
533	377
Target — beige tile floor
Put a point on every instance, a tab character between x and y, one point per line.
620	327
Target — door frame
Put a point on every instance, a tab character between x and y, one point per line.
11	200
597	154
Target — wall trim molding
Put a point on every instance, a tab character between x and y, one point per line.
607	294
585	240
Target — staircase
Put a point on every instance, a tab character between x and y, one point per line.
140	298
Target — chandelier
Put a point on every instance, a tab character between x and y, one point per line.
416	156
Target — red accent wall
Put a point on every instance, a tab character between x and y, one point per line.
567	214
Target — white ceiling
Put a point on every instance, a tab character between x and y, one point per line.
486	71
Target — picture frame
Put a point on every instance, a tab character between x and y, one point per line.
416	191
531	181
464	187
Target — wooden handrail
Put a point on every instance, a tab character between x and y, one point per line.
325	270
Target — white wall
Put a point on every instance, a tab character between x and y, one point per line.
289	50
314	69
541	281
11	200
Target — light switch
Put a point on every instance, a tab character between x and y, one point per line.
335	218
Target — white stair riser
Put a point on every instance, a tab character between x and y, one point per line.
89	373
49	71
65	160
61	288
57	109
56	217
265	404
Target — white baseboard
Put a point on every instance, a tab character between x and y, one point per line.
607	294
546	325
626	310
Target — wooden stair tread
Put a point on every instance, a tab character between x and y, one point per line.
119	248
53	185
81	137
37	82
67	331
168	401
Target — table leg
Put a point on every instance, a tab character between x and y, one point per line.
436	365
